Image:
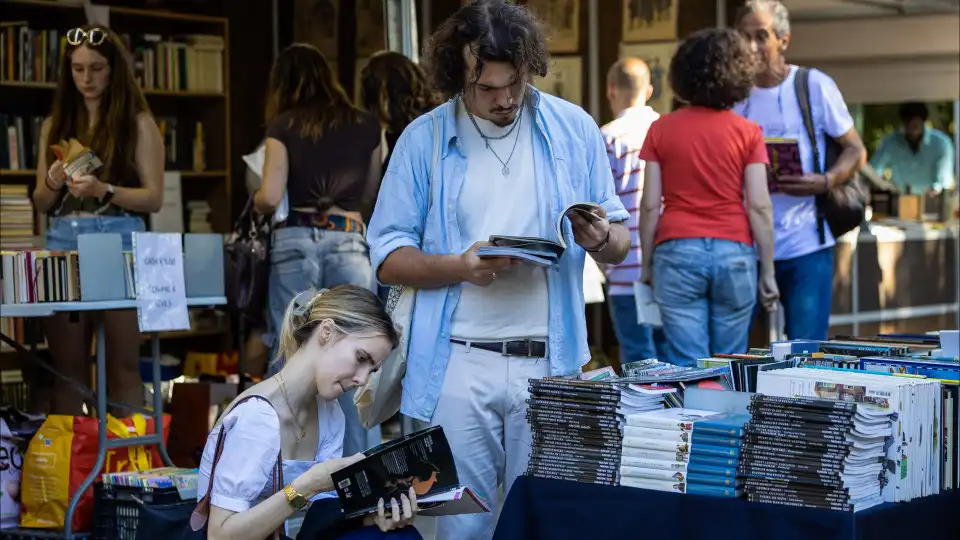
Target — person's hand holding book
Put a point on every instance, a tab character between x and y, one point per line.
56	177
317	478
591	229
87	185
803	186
401	514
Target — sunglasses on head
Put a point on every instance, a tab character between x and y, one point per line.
94	36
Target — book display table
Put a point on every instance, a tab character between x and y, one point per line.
542	509
198	261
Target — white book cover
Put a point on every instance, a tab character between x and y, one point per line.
648	311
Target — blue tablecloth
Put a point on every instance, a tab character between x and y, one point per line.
538	508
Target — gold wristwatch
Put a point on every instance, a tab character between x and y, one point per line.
296	500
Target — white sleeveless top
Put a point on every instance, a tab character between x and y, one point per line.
245	470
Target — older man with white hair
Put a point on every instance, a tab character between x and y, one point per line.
803	243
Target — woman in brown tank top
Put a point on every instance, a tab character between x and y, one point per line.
323	153
98	102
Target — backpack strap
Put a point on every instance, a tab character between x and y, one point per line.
801	84
202	512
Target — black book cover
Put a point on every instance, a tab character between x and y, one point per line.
804	415
814	403
422	460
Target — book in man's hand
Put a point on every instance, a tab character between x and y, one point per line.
421	460
539	251
784	155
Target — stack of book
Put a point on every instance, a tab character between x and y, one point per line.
16	217
715	455
577	426
655	449
914	405
815	453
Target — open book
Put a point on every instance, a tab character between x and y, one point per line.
538	251
76	158
422	460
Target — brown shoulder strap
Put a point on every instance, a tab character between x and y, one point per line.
202	512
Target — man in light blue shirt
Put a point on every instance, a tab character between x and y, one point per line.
919	159
511	159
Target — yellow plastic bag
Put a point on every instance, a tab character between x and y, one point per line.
62	454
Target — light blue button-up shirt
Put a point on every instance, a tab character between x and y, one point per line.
930	167
570	160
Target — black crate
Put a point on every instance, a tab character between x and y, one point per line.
116	508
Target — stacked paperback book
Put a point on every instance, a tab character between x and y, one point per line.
577	426
879	423
815	453
682	451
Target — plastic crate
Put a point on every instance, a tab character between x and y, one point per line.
116	508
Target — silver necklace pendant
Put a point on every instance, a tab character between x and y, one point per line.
505	170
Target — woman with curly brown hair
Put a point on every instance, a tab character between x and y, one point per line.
701	162
395	88
98	102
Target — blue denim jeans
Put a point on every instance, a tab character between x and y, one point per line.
63	232
806	292
637	341
706	289
305	257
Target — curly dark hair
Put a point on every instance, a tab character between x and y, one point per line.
396	89
496	31
713	68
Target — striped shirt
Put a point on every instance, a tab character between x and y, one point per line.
624	137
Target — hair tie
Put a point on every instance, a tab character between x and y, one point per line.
304	301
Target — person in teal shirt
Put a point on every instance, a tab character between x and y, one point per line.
919	158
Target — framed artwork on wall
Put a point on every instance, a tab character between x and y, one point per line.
649	20
562	19
657	56
564	79
371	32
316	24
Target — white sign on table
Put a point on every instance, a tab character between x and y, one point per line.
161	292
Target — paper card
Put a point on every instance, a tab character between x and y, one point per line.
161	293
648	312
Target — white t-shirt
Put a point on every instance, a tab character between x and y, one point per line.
777	112
245	471
515	305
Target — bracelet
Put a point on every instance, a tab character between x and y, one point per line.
46	182
598	249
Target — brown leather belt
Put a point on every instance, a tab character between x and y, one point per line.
520	347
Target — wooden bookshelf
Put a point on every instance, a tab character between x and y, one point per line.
210	106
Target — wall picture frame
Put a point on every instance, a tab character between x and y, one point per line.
316	24
649	20
562	19
564	79
657	57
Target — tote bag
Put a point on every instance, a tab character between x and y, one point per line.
379	399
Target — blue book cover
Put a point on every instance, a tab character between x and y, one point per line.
712	480
712	450
714	440
724	425
694	467
716	461
713	491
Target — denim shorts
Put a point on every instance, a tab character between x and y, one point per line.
63	232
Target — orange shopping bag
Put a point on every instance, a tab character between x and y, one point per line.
62	454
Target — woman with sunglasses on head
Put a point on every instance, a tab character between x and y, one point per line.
332	341
323	153
98	102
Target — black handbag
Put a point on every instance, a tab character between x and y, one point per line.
248	265
188	520
844	207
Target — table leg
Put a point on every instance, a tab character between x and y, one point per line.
101	430
158	397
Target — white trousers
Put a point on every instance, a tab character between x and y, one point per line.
483	409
